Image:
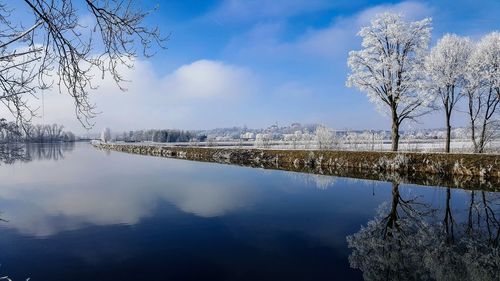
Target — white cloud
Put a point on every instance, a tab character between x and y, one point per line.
411	9
181	99
208	79
333	41
340	36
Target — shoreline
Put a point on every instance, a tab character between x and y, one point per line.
467	171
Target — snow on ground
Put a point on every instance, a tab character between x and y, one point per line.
414	145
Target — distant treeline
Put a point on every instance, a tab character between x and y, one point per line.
161	136
11	132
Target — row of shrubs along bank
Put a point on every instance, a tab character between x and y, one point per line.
456	170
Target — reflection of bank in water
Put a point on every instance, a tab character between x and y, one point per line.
318	181
25	152
468	171
411	240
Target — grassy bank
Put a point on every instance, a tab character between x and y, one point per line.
471	171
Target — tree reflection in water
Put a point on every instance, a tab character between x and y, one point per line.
410	240
11	153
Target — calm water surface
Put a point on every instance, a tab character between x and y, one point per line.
77	213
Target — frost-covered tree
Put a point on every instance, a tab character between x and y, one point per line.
445	69
262	140
325	137
483	90
389	67
106	135
69	137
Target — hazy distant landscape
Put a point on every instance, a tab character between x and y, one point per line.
312	136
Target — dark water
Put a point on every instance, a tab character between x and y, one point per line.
77	213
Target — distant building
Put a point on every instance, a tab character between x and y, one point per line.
223	138
247	136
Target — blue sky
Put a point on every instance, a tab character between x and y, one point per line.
258	62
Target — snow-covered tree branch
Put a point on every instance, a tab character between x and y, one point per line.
483	90
60	48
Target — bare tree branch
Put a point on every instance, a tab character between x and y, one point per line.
54	51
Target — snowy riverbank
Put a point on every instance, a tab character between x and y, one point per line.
457	170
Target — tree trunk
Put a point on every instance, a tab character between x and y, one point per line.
482	138
473	137
448	134
395	131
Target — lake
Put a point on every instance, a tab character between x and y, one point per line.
73	212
